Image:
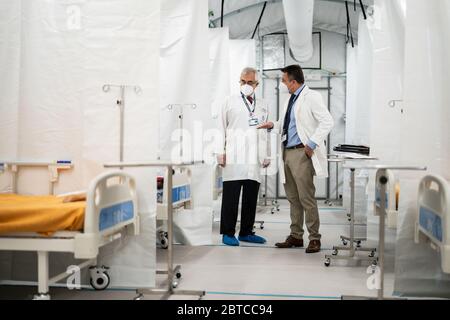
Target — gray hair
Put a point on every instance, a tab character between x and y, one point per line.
248	70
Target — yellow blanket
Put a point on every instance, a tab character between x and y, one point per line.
42	214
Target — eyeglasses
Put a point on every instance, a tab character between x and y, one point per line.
250	83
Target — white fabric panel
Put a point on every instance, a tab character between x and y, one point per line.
219	56
351	94
9	69
185	79
365	61
426	117
68	52
242	55
386	130
9	89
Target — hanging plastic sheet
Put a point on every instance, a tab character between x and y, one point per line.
68	51
186	92
219	67
242	55
418	271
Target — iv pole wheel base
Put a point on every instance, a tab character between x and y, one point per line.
41	296
327	262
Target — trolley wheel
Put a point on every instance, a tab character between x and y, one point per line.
335	252
372	254
174	284
344	242
261	226
272	211
327	262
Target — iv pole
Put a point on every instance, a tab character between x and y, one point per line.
121	104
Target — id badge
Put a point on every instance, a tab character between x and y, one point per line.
253	122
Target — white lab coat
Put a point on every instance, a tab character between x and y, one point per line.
314	123
245	146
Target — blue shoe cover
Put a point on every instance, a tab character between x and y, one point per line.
253	239
230	241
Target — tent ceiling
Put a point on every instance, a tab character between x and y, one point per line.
241	16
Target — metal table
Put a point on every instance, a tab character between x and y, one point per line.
351	243
172	273
382	169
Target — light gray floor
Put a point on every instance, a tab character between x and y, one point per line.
253	271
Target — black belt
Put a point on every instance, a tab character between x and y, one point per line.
299	146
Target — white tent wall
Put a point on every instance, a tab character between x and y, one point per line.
185	81
242	55
242	15
68	51
385	85
359	77
10	24
426	116
219	57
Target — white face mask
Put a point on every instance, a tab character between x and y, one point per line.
247	90
283	88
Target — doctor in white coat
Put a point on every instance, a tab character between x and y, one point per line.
243	156
303	127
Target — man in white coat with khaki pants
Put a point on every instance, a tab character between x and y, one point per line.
303	126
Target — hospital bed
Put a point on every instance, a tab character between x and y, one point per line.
109	210
54	169
383	176
181	198
173	273
433	216
391	205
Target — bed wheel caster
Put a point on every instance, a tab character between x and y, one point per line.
272	211
139	297
372	254
374	266
344	242
174	284
163	239
327	262
178	275
41	296
261	226
99	278
335	253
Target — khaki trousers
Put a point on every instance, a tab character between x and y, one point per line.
300	192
